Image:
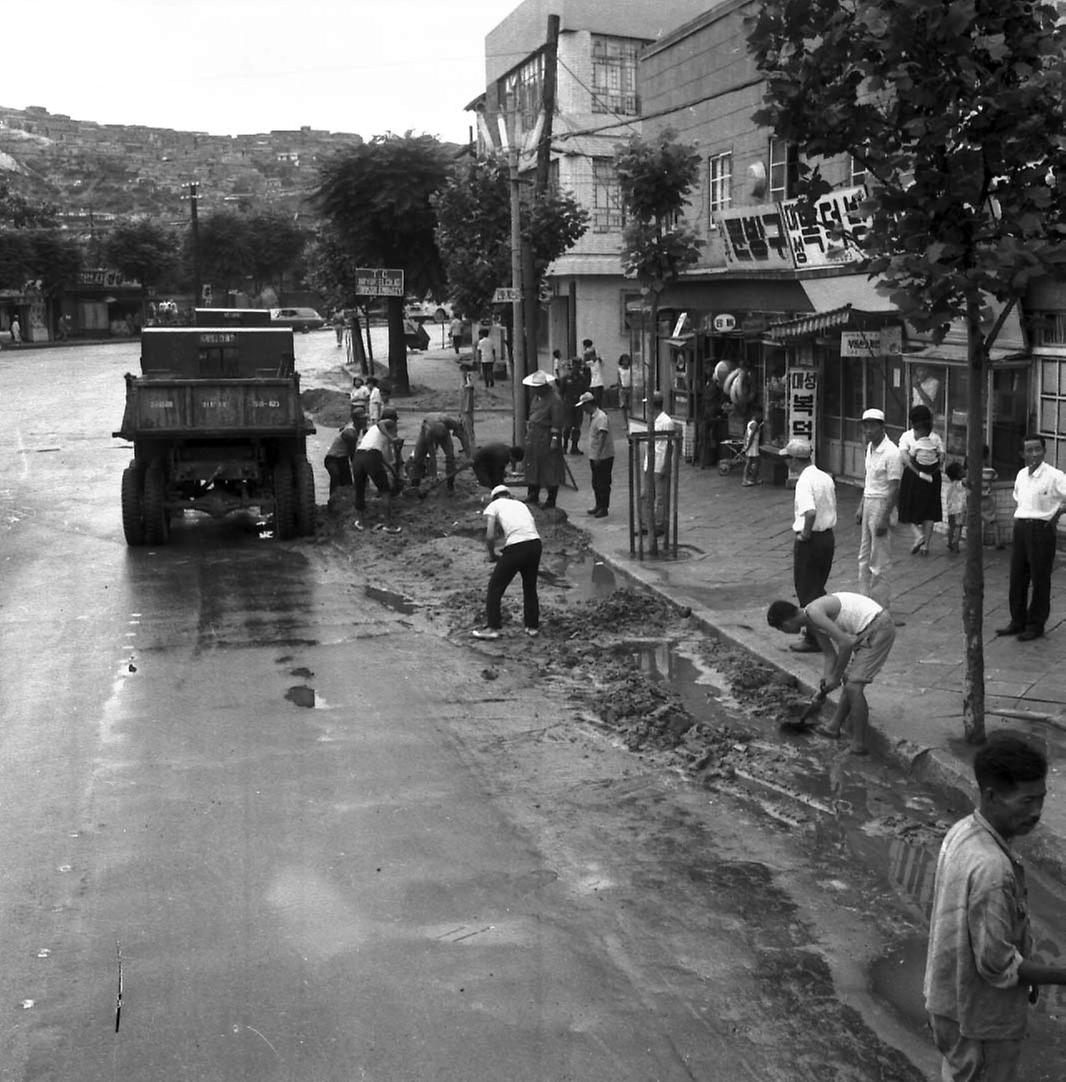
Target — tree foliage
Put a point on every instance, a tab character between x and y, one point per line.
275	245
142	249
377	198
225	248
21	213
958	113
474	232
49	257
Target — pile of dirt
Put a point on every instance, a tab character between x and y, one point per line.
761	688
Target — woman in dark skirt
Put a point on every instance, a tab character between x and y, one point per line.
922	451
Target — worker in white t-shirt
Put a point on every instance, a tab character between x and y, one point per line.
512	519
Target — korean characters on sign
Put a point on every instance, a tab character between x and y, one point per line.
802	403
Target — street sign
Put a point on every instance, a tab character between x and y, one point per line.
506	295
378	282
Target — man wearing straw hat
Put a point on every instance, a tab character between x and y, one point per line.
544	465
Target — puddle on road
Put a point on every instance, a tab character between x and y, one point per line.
301	695
585	578
391	600
886	824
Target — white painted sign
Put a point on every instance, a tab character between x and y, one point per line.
506	295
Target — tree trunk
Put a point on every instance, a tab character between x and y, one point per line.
397	349
973	582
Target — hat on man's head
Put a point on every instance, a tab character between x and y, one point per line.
540	378
586	397
874	415
389	414
796	448
500	490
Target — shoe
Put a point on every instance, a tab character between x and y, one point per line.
917	547
805	646
592	511
532	632
746	484
1031	633
601	513
485	633
1010	629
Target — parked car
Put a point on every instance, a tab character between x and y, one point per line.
423	311
300	319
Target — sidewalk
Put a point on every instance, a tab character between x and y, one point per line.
735	557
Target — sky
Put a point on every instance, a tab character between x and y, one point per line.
232	66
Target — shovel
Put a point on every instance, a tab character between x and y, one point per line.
422	493
809	717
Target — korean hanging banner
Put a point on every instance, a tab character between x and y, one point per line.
802	403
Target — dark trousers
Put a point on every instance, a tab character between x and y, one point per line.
1030	563
522	558
340	473
601	481
457	340
369	464
812	561
487	376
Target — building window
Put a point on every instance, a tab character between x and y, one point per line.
522	94
1052	422
784	169
1048	328
856	172
719	186
608	210
614	75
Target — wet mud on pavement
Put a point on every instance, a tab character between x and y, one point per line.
690	707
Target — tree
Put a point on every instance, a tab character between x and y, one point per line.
377	197
276	243
656	178
474	232
225	248
143	250
957	111
22	213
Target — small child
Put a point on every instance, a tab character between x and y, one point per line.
752	437
954	503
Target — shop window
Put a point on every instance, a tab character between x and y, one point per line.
832	400
719	186
957	416
1009	401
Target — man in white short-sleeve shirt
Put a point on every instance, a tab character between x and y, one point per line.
877	512
513	520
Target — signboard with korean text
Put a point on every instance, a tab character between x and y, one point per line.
378	282
506	295
755	237
885	342
815	240
801	390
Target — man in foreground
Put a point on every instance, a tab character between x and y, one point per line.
856	637
980	976
513	520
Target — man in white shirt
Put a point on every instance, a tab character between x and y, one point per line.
877	510
375	403
662	422
594	364
375	458
513	520
1039	492
601	453
486	355
455	332
815	517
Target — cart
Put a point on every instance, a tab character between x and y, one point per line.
731	456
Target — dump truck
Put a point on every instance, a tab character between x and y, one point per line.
217	427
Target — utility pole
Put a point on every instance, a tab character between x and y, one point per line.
518	344
194	223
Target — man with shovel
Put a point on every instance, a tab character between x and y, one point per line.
437	430
375	459
856	635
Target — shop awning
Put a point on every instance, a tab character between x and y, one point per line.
735	295
815	323
958	353
843	290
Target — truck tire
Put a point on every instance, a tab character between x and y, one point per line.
156	521
284	501
133	505
304	477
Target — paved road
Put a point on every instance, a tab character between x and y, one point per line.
305	839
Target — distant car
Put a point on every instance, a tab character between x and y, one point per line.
300	319
423	311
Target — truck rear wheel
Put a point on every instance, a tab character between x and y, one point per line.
304	478
133	505
156	522
284	501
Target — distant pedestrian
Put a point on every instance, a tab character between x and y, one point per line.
625	385
594	363
375	459
359	397
338	326
921	451
571	387
753	448
375	401
338	461
436	432
455	332
486	355
492	462
560	368
980	973
16	331
1040	493
544	463
877	509
954	503
513	520
601	454
856	636
814	519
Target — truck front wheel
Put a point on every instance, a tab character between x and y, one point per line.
284	501
133	505
156	522
305	497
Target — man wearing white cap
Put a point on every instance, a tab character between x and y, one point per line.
815	517
877	510
521	556
544	435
